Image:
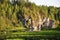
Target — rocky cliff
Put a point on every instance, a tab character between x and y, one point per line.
24	14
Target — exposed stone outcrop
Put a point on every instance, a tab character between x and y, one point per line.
38	23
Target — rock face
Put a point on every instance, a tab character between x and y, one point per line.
37	25
48	23
51	24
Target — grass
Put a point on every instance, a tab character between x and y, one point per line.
15	39
44	34
37	34
49	32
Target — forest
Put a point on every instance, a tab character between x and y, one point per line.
16	16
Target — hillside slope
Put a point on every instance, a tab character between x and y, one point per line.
24	14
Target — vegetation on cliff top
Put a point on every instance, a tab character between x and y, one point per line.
11	15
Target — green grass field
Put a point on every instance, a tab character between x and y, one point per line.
49	34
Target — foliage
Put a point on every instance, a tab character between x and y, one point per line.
11	15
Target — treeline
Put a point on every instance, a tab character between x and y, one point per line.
12	13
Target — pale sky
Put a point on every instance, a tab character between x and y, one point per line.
47	2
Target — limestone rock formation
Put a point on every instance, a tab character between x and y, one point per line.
37	25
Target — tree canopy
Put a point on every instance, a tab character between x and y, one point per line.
11	13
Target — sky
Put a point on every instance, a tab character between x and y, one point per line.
55	3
